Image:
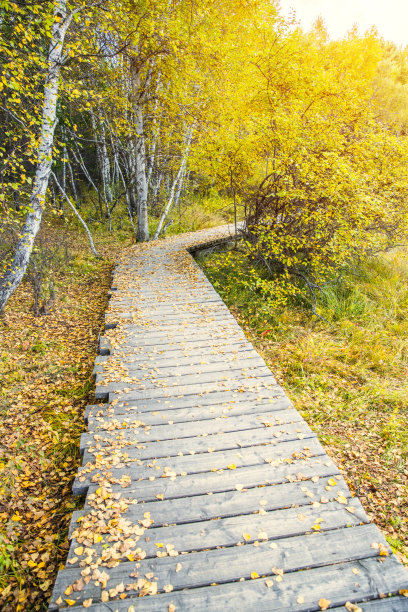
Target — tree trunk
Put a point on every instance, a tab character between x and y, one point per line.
141	182
177	182
104	165
62	190
16	270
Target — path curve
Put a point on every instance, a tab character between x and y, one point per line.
205	489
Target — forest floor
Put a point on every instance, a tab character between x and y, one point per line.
347	377
46	367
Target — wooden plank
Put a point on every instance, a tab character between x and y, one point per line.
231	564
226	504
336	583
216	403
162	361
127	311
160	310
151	369
111	430
108	418
301	470
180	339
152	330
186	375
256	386
189	344
212	505
153	426
281	452
389	604
156	300
190	445
181	357
139	382
146	325
210	534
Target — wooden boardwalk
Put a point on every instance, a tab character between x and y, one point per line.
205	489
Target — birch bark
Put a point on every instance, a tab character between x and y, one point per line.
176	183
141	181
64	193
16	270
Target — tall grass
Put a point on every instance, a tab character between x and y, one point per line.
347	375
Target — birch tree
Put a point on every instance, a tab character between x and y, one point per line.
17	267
177	182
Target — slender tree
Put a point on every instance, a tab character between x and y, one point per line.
17	267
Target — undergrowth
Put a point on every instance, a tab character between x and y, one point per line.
46	362
347	375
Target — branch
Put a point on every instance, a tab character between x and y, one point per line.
311	286
94	251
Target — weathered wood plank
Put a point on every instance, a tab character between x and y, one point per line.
179	339
119	467
331	582
221	505
300	470
209	534
214	403
253	385
190	445
202	345
202	377
151	330
232	564
165	429
150	360
387	604
152	370
112	419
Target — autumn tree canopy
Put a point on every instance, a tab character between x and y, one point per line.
125	104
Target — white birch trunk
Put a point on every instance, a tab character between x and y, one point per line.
104	165
128	205
15	272
157	186
177	182
62	190
73	185
141	181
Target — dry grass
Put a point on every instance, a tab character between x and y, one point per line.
348	377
